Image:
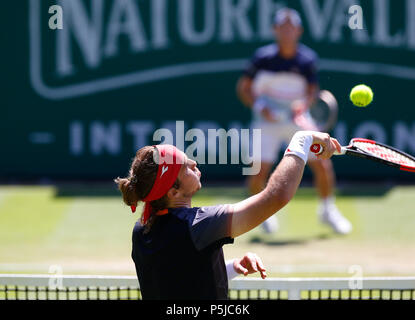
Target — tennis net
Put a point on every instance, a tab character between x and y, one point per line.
48	287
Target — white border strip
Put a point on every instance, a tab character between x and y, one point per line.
174	71
68	281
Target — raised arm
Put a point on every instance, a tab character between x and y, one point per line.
282	184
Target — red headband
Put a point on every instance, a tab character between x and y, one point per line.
169	160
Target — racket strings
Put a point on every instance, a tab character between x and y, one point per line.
385	154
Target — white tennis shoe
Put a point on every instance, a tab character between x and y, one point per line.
331	216
270	225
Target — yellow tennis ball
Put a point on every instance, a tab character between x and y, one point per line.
361	95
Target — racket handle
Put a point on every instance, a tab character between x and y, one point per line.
318	149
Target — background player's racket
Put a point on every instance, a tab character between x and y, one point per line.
375	151
325	111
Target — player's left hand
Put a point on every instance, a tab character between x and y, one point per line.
299	108
248	264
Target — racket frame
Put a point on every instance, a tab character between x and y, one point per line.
330	100
352	150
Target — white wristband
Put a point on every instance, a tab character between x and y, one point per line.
230	270
300	145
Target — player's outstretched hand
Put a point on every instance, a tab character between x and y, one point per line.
249	263
330	145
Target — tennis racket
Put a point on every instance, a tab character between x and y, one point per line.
375	151
325	111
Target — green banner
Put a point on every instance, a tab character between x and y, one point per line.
80	100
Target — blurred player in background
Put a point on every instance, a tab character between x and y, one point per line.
280	84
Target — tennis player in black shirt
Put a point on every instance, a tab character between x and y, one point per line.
177	248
